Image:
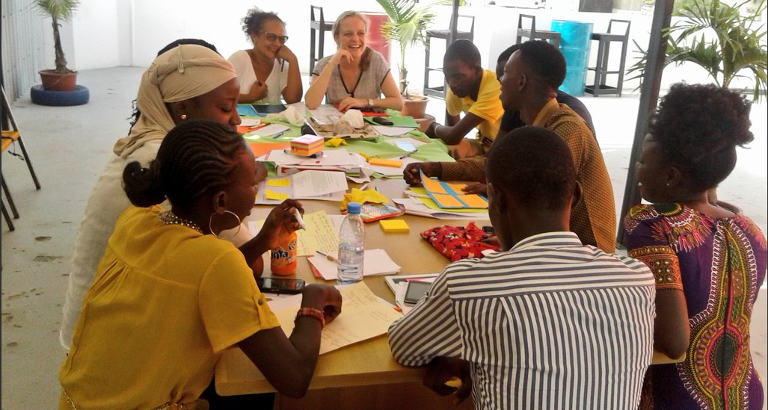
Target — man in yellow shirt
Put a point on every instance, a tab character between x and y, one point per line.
473	92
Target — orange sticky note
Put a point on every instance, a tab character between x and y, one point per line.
447	201
395	163
474	201
456	187
432	186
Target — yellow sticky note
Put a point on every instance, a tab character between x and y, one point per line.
447	201
394	225
456	187
279	182
474	201
275	196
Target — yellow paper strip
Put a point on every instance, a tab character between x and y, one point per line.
432	186
279	182
447	201
275	196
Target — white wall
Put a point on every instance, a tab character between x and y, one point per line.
95	29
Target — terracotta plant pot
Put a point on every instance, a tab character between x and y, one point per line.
54	81
415	106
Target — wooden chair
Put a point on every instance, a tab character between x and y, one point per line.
531	33
439	91
603	48
11	136
317	28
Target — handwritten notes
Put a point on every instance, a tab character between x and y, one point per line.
320	235
313	183
363	316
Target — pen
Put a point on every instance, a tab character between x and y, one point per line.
329	257
299	219
407	154
362	188
276	136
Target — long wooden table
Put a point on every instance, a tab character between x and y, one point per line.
365	374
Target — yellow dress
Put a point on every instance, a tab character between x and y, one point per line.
165	302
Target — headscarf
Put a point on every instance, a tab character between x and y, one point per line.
179	74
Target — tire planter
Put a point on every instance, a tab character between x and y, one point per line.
79	96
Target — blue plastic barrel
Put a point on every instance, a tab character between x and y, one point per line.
575	39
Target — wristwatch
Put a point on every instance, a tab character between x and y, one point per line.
370	102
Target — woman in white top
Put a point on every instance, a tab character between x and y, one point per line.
356	76
270	69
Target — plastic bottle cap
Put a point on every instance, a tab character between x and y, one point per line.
353	208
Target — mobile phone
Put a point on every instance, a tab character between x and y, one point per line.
415	291
382	121
280	285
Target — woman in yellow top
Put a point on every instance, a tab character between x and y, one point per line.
169	295
355	76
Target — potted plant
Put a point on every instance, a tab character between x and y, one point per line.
719	38
61	78
408	26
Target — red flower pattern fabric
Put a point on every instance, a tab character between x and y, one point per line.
456	242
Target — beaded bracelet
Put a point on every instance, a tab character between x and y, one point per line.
315	313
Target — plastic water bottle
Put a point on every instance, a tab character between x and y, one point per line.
351	246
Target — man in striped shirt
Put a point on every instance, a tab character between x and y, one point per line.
547	323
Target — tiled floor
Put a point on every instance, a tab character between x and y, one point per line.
70	145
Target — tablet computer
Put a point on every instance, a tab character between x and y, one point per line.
269	108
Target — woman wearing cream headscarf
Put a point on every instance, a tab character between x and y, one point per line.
187	82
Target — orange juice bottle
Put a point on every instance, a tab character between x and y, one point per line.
284	256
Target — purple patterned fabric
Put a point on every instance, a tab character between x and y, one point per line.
722	265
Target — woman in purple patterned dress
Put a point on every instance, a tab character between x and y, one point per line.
713	256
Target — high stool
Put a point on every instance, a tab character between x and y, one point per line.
533	34
603	48
317	26
439	91
9	137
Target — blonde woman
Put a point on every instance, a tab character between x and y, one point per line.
355	76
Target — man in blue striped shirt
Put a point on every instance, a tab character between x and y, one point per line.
547	323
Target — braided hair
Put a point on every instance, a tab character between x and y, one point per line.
698	128
196	158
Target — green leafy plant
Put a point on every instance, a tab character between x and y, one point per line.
719	38
58	10
408	25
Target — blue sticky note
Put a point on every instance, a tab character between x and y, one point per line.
246	109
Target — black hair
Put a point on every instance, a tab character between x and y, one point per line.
504	56
195	159
465	51
698	128
194	41
545	61
254	20
535	165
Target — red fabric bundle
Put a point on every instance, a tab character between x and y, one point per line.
456	242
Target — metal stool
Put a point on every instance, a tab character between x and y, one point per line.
9	137
533	34
601	66
439	91
315	26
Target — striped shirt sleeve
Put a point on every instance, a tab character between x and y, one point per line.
429	330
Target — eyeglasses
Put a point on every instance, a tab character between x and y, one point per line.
272	37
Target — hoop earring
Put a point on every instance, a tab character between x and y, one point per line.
210	223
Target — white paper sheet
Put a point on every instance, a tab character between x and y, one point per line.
392	131
375	262
315	183
271	130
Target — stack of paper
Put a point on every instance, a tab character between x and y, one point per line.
329	160
321	185
375	262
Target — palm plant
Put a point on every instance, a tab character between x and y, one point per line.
58	10
717	37
408	26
